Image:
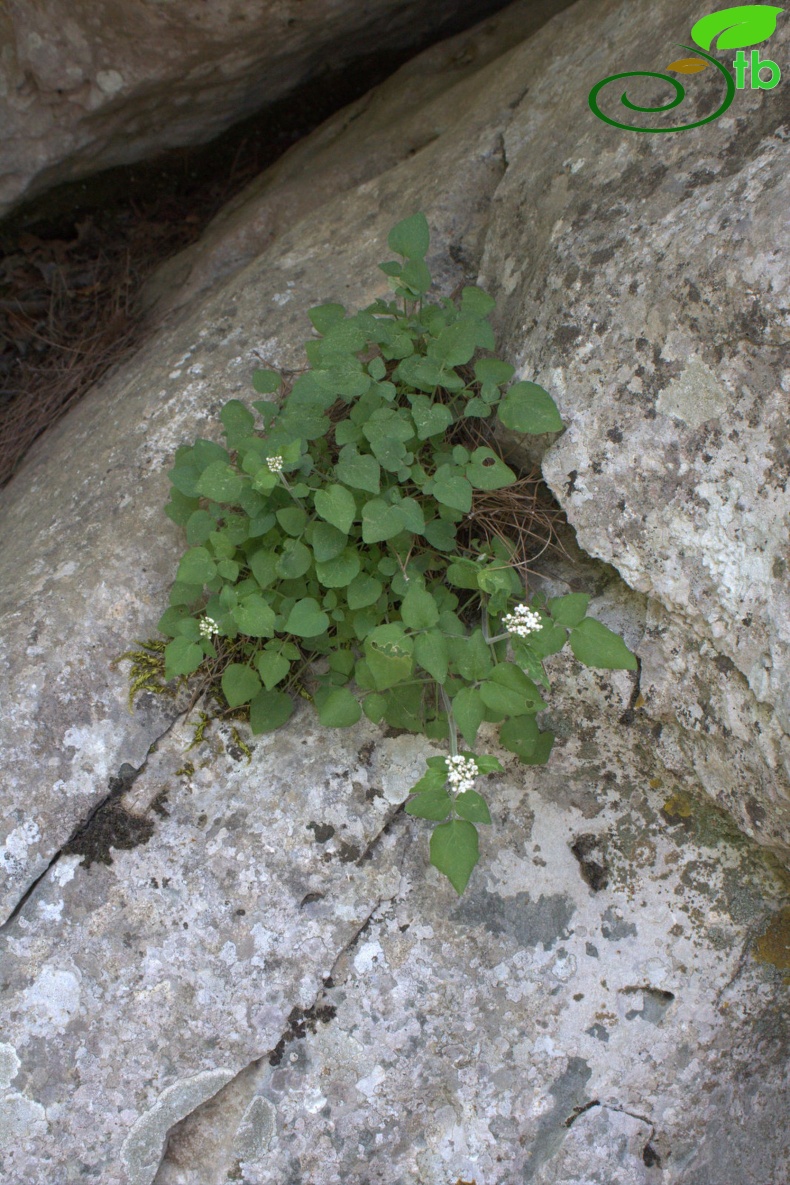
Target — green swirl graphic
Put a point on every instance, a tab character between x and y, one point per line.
680	95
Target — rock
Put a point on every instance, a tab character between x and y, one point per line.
83	90
608	991
692	511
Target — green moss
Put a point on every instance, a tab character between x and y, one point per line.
773	945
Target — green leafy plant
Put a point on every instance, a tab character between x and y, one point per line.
361	542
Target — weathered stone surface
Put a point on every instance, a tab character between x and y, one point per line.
84	87
561	957
537	1030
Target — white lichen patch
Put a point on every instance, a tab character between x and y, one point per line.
52	1000
143	1147
696	396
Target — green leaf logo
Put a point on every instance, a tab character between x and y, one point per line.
736	28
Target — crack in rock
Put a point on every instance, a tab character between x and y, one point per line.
107	825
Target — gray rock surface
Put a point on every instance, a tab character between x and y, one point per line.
608	994
85	86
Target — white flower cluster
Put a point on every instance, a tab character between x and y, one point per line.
461	773
275	464
207	627
522	621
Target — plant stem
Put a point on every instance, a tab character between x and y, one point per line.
448	707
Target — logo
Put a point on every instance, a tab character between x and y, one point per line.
736	28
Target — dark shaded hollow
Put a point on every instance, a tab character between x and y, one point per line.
73	260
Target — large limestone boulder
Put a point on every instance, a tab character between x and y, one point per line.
84	87
255	959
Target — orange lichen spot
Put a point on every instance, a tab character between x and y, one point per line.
687	65
679	806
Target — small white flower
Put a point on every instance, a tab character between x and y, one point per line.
523	621
207	627
275	464
462	773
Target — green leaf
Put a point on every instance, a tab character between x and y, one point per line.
266	409
411	237
180	508
477	407
569	610
171	618
337	708
528	408
185	594
388	652
182	657
431	652
528	661
200	524
451	488
509	691
239	684
363	590
337	505
419	610
220	483
416	277
342	661
549	640
327	541
292	519
456	344
412	515
272	667
380	521
269	710
454	851
374	706
324	316
492	370
468	712
254	616
463	574
477	302
359	470
519	735
744	25
486	764
496	577
597	646
471	656
295	559
266	382
487	472
431	419
237	420
430	804
543	747
228	569
339	572
440	534
263	564
472	806
196	567
423	373
307	619
206	452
